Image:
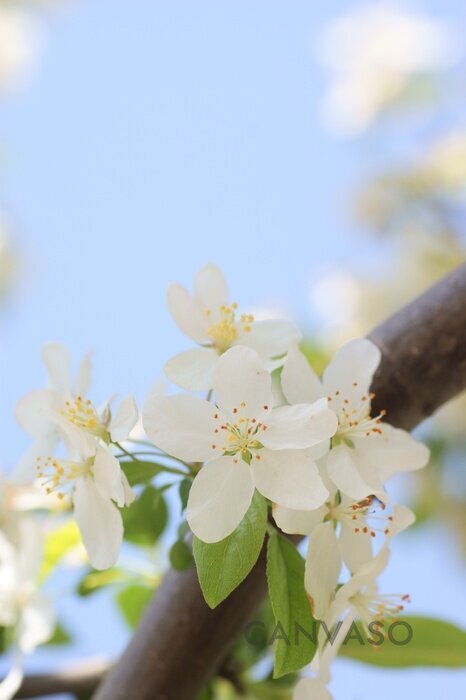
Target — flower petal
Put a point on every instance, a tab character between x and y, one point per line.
402	518
298	522
33	411
269	338
84	375
300	383
193	369
182	425
242	385
299	426
125	419
57	359
37	624
346	468
100	524
289	478
356	547
219	498
323	566
186	313
106	473
393	451
210	287
25	471
311	689
351	370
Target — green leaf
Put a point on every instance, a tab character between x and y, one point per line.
180	555
222	566
146	518
95	580
285	576
60	636
184	489
57	544
140	472
132	602
433	643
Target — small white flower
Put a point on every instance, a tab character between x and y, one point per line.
95	482
339	533
208	318
44	413
365	452
245	442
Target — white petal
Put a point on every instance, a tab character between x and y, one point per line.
299	426
356	547
106	473
186	313
33	411
289	478
57	360
298	522
393	451
13	680
240	378
37	624
403	518
210	287
300	383
183	426
125	419
25	471
129	495
270	338
219	498
311	689
193	369
365	576
84	375
354	363
79	443
323	566
345	466
100	524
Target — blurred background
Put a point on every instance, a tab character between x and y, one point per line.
317	154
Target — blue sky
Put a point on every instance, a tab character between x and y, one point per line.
158	136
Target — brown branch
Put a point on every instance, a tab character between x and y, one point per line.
83	678
180	642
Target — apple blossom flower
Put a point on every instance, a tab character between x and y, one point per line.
244	442
22	607
340	532
366	451
43	413
208	318
95	482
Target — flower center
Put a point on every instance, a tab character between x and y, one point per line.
225	331
363	517
59	475
375	607
240	438
354	416
83	415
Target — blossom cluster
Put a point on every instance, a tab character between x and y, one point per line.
254	418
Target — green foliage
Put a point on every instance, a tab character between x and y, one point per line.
57	544
95	580
433	643
141	472
285	576
181	557
146	518
60	636
184	489
132	602
222	566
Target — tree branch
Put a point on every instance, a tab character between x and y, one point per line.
180	643
81	679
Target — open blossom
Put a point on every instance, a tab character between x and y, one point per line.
358	598
22	607
340	532
96	484
245	443
366	451
43	413
208	318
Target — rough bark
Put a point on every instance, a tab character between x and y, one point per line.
180	642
